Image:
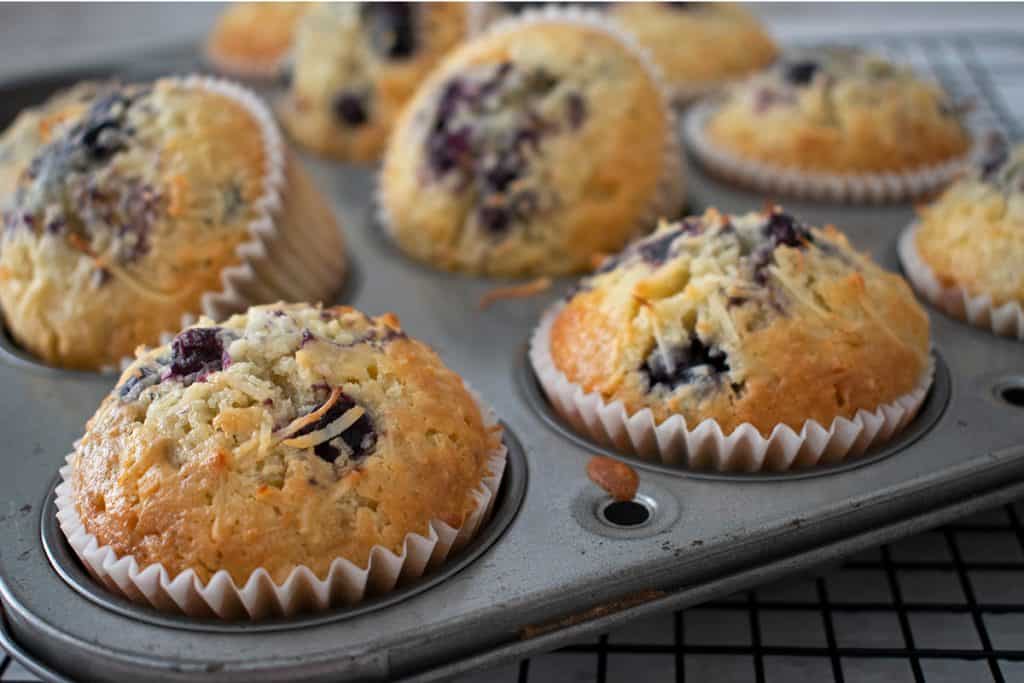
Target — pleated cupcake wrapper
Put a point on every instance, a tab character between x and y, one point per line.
302	591
854	188
671	190
296	251
706	446
1006	320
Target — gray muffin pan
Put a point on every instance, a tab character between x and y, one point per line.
558	561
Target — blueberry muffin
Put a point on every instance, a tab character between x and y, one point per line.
290	435
35	127
354	67
252	39
530	150
842	111
699	45
972	237
142	210
755	318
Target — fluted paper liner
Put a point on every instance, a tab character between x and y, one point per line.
671	191
706	446
296	251
302	591
854	188
1006	320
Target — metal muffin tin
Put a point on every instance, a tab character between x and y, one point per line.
539	575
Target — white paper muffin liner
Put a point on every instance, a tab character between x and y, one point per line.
1006	320
854	188
293	254
302	591
671	191
706	446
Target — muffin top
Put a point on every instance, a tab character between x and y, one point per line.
973	235
529	150
37	126
840	110
290	435
125	215
697	43
755	318
355	65
253	38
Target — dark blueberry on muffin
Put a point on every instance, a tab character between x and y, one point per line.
800	73
684	364
351	108
196	352
357	440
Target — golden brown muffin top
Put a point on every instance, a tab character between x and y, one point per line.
755	318
290	435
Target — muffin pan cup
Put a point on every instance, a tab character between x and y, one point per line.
553	572
1006	320
786	182
671	191
302	591
705	446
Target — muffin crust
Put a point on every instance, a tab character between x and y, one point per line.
529	150
973	236
290	435
839	110
354	67
753	318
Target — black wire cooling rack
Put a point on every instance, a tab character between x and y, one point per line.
946	606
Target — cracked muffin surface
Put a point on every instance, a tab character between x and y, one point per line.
839	110
973	235
124	216
355	65
755	318
290	435
528	151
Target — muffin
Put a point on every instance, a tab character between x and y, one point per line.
754	319
289	436
833	119
355	65
35	127
252	39
531	149
972	237
158	201
698	45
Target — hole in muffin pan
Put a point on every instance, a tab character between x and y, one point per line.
67	565
627	514
932	409
1011	391
651	511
